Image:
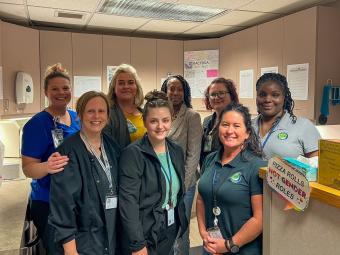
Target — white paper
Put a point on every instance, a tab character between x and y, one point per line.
109	73
271	69
200	68
246	83
1	84
297	77
83	84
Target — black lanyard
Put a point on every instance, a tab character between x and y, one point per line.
168	176
215	188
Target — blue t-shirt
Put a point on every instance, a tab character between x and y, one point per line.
37	143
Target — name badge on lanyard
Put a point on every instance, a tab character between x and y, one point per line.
171	216
111	202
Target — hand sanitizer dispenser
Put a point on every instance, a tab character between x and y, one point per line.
24	88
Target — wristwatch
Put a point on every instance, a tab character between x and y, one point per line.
233	248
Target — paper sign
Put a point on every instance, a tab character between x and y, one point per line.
272	69
297	77
246	83
288	182
83	84
212	73
200	69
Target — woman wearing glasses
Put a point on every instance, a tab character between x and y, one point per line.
218	95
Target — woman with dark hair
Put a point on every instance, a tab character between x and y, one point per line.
42	134
186	131
280	131
229	203
126	98
218	95
151	185
84	196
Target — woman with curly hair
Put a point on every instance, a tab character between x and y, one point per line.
280	132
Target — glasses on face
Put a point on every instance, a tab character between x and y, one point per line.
218	94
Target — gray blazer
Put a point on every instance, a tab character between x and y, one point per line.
186	131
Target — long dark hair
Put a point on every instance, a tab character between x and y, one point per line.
252	143
185	85
280	80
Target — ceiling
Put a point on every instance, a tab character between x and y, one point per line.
87	16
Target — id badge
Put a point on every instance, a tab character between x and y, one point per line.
111	202
207	143
215	232
171	216
57	136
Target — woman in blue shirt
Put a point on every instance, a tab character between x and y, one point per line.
41	135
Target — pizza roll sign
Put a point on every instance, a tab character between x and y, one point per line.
289	181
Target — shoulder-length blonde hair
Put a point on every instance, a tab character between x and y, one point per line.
125	68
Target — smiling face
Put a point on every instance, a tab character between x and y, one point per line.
158	123
175	92
58	92
232	130
94	117
270	100
219	96
125	87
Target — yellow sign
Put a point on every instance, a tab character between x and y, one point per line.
329	163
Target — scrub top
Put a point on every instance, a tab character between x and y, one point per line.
37	142
235	183
288	139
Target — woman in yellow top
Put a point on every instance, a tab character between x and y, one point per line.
126	97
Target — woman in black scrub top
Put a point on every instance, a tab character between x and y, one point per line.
84	197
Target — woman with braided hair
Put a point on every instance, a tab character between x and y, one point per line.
280	132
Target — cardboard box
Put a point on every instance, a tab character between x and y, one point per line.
329	163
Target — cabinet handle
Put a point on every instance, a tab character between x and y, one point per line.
6	105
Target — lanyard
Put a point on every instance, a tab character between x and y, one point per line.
215	188
269	133
105	165
168	176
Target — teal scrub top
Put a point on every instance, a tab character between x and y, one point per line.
235	183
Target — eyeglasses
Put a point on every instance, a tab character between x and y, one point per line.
218	94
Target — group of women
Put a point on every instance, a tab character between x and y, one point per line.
124	180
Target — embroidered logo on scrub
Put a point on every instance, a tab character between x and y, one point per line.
282	136
236	177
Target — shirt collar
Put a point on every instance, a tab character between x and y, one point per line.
234	163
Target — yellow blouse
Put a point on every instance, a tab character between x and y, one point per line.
135	126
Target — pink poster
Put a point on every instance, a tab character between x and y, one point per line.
212	73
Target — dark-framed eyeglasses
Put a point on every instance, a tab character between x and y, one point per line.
218	94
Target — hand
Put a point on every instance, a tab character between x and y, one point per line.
56	163
215	245
143	251
71	253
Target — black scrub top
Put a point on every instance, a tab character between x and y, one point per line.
235	183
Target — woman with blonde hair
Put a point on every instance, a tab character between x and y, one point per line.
126	97
42	134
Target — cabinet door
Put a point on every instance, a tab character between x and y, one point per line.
1	74
55	47
20	52
143	58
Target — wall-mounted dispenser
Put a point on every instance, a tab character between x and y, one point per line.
24	88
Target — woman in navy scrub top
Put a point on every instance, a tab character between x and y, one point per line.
41	135
229	203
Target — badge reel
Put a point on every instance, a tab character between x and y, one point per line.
170	214
207	143
215	231
57	136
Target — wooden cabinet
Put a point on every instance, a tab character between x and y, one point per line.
20	52
55	47
143	58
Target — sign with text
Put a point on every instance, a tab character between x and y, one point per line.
289	182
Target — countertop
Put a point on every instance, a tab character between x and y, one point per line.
13	203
